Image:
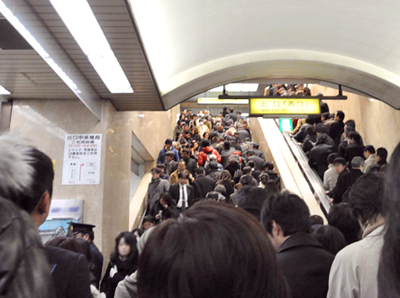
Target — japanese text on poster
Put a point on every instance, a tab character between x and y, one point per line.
82	153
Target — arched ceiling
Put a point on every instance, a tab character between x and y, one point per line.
195	45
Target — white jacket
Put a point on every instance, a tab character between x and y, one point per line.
354	272
330	178
369	163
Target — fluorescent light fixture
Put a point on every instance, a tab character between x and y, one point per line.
372	99
9	15
83	25
4	91
237	87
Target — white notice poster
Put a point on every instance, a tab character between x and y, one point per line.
82	154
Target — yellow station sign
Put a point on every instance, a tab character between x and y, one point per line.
284	106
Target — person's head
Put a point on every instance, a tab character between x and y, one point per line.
185	153
213	165
231	110
252	199
251	164
26	176
206	136
350	124
195	264
183	178
170	156
341	217
162	168
256	146
125	247
325	116
199	171
166	199
357	163
68	243
220	189
331	239
250	153
225	176
366	197
220	129
246	170
168	144
316	220
155	173
283	215
227	145
263	178
246	180
381	155
339	116
205	143
368	151
332	157
340	164
181	166
137	233
321	128
353	138
225	109
268	166
148	222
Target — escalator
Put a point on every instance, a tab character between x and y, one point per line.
292	164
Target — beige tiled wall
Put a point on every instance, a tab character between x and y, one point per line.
377	122
44	123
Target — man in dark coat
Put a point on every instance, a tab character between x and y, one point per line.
226	152
202	185
258	152
170	164
258	161
302	259
191	163
347	179
336	128
354	147
233	115
182	193
318	159
70	273
85	231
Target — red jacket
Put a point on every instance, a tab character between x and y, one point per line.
202	158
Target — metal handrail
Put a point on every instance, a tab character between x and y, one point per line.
311	176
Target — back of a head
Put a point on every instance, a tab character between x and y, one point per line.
246	170
289	211
332	157
268	166
353	135
212	195
382	153
351	124
68	243
199	171
205	143
215	250
251	199
316	220
389	274
227	145
331	238
321	128
220	189
366	197
370	149
357	162
341	217
25	173
341	115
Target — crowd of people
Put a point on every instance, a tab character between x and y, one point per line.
217	222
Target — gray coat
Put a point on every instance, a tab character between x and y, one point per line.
156	189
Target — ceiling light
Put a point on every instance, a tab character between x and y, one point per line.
371	99
83	25
237	87
4	91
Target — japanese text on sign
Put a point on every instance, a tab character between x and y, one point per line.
284	106
82	155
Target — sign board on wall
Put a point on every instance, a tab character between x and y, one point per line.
82	156
284	106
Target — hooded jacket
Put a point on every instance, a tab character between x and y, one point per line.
202	158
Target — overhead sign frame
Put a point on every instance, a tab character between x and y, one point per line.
284	106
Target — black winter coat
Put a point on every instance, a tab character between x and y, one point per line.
202	186
318	159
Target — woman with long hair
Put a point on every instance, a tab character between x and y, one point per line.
226	180
123	262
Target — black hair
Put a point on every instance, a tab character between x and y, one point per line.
68	243
194	264
131	241
331	239
186	150
316	220
263	178
340	160
340	114
161	166
205	143
85	248
310	130
168	142
256	146
183	175
199	170
212	195
370	149
42	181
332	157
251	164
250	153
227	145
366	197
353	135
156	170
389	274
231	110
351	124
321	128
382	153
289	211
149	218
246	170
325	115
341	216
269	166
271	187
139	231
251	199
167	198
